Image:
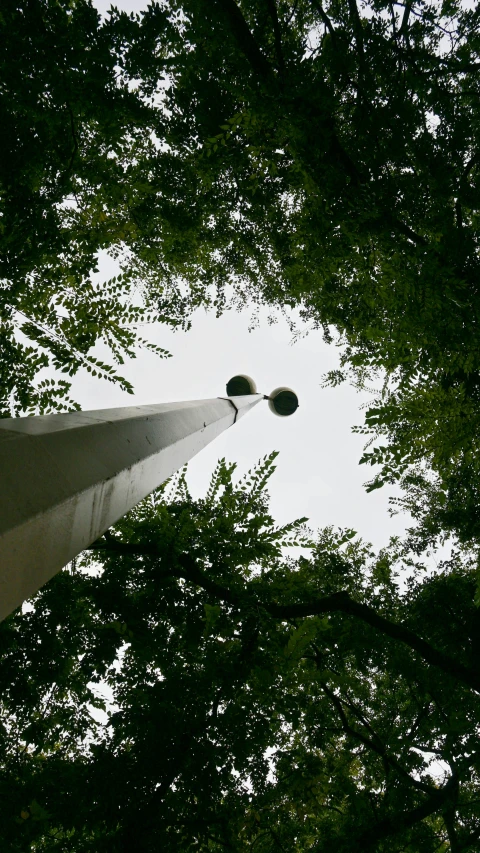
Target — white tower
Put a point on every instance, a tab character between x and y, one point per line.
65	479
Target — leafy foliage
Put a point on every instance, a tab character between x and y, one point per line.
425	437
313	155
340	148
69	127
321	155
255	699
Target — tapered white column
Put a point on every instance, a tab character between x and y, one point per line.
64	479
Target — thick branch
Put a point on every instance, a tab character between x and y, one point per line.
260	65
187	568
337	602
449	821
245	40
406	14
374	744
324	17
405	229
272	10
357	26
248	45
404	820
341	601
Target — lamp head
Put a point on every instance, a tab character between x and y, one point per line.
283	402
240	385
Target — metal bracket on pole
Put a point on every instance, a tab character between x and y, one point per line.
234	406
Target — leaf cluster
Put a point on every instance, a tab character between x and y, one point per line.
251	699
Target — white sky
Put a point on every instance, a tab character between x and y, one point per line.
317	471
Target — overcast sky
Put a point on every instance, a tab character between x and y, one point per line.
318	474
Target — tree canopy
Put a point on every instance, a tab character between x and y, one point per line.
258	700
313	155
69	130
318	155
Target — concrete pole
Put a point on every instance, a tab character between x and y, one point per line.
65	479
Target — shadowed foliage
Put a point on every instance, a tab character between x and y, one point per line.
254	699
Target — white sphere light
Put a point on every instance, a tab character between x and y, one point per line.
283	402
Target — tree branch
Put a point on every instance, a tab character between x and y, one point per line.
357	27
341	601
260	65
245	39
249	47
404	820
324	17
406	14
272	10
449	821
186	570
74	136
374	744
336	602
